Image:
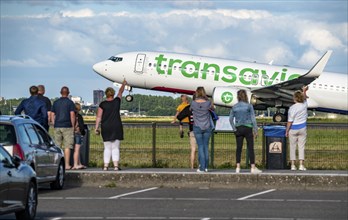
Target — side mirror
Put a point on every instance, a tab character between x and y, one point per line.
52	143
16	161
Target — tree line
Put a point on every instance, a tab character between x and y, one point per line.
148	105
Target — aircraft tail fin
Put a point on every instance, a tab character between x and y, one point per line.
318	68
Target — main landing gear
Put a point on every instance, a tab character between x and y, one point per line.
280	117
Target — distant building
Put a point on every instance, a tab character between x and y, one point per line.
77	99
98	96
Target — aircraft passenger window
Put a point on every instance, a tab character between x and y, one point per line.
190	69
174	67
150	64
164	66
154	65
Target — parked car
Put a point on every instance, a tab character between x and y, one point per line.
23	137
18	187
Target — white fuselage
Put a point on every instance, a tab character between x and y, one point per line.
183	73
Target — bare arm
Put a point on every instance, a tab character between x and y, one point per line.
72	118
53	117
288	126
174	117
98	120
121	90
304	90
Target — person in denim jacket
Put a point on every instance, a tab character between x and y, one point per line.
243	122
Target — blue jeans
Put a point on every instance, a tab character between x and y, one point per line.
202	139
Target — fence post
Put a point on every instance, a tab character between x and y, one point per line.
154	125
263	146
212	149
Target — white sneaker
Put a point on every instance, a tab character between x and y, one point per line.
200	171
302	168
255	170
293	167
237	170
206	170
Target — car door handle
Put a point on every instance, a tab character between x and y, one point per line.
9	173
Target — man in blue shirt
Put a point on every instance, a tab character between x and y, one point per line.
33	107
63	117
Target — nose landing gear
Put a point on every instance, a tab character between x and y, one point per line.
129	97
280	117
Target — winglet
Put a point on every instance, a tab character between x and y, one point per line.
318	68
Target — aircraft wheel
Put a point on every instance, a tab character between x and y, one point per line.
279	117
129	98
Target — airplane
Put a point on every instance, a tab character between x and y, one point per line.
267	85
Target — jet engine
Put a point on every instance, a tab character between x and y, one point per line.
227	96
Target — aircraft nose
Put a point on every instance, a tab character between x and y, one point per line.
98	67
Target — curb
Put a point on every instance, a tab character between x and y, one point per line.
208	180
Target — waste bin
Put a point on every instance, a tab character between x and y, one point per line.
275	147
84	149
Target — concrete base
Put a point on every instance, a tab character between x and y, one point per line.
184	178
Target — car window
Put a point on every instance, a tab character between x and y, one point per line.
4	156
7	134
43	135
23	135
32	134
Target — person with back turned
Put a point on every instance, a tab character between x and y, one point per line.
47	101
296	128
63	117
33	107
243	122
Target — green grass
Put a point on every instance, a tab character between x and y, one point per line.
326	148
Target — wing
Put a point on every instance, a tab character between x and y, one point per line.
282	93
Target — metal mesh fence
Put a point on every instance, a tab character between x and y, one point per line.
159	144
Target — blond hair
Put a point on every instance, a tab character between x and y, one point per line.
77	107
109	92
299	97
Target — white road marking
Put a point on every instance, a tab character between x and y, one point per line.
131	193
256	194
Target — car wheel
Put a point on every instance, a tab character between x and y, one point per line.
59	182
29	212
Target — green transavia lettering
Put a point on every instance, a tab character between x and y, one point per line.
228	74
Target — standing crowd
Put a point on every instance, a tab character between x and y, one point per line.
69	129
63	115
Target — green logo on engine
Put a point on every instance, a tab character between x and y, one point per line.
227	97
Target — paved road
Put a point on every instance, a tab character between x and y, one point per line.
200	203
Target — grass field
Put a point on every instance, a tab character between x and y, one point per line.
326	147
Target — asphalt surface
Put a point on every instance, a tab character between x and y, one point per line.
194	203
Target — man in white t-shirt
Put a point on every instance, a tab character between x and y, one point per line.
296	128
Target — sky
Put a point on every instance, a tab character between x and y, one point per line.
56	43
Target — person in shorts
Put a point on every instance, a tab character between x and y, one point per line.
63	117
79	132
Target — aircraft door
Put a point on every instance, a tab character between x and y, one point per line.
139	63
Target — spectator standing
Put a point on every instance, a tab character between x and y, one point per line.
182	106
108	116
243	122
296	128
185	115
79	132
63	117
33	107
47	101
202	126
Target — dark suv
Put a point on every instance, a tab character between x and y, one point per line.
27	139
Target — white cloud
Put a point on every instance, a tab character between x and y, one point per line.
309	58
279	54
82	13
319	39
217	50
27	63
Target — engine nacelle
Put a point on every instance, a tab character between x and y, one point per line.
227	96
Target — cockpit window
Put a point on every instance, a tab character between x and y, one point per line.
116	59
